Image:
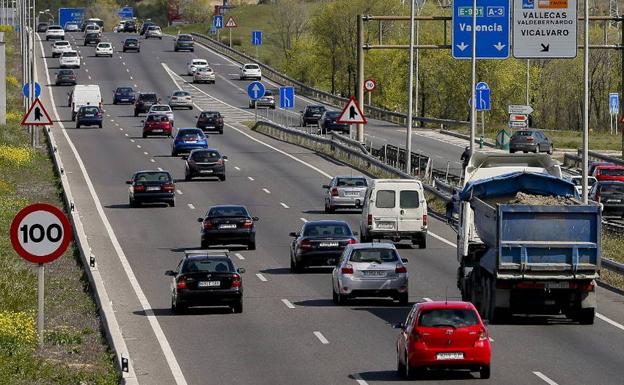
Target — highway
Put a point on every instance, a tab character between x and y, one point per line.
289	332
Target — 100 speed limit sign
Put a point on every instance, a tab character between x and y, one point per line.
40	233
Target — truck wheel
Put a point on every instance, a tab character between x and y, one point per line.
585	316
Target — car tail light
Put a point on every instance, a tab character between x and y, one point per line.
424	220
400	268
370	219
347	269
305	244
181	283
168	187
220	162
334	192
139	187
220	120
236	281
208	225
352	241
582	286
247	224
174	98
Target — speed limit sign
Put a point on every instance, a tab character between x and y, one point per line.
370	85
40	233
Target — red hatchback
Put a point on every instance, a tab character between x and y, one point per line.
609	172
157	125
443	335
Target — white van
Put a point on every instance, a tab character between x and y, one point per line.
395	209
83	95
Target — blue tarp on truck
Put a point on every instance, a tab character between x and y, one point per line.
66	15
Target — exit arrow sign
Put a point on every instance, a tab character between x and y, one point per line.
519	109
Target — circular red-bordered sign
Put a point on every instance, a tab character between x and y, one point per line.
370	85
40	233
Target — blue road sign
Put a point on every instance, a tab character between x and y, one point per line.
614	103
217	21
255	90
492	29
287	98
483	96
212	30
126	13
256	37
26	90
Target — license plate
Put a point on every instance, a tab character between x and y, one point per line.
352	193
153	188
614	200
227	226
385	225
157	130
206	171
328	244
374	273
450	356
557	285
89	115
209	284
190	141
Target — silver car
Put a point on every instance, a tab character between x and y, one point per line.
153	31
204	75
345	192
370	270
181	99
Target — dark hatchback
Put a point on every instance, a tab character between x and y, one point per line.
65	76
311	115
130	26
151	187
184	42
131	44
206	278
327	122
319	243
228	225
42	27
145	26
92	38
124	95
205	163
210	120
530	141
144	101
89	116
611	195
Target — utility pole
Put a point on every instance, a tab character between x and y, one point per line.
585	97
410	90
360	74
473	65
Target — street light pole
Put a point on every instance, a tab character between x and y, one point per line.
473	65
585	97
410	90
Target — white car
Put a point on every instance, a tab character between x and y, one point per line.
204	75
104	49
251	71
153	31
181	99
59	47
55	32
71	26
69	59
162	109
92	28
195	64
578	182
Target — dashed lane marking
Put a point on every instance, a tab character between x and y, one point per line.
179	192
321	337
250	178
190	205
284	205
261	277
545	378
239	256
288	303
303	220
266	190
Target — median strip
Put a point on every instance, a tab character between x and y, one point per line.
545	378
261	277
288	303
321	338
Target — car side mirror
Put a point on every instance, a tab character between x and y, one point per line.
325	186
241	270
200	220
399	325
255	219
224	157
128	182
170	273
293	234
404	260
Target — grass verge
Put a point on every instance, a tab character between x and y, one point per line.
74	350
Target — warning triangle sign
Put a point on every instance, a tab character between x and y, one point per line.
37	115
351	113
231	23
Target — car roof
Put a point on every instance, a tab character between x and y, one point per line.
609	167
204	257
160	105
613	182
204	149
350	176
326	222
445	305
371	245
210	112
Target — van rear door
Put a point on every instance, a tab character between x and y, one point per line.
410	216
384	213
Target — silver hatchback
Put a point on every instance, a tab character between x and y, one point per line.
345	192
370	270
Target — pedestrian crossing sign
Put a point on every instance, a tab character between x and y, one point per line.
37	115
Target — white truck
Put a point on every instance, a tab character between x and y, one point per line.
84	95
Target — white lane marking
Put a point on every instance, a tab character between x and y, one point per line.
135	86
132	140
152	160
131	78
261	277
190	205
288	303
284	205
179	192
545	378
178	376
89	76
123	62
240	256
491	339
138	146
126	134
145	153
321	338
359	379
443	240
86	70
427	299
303	220
112	120
250	178
128	70
160	169
237	168
610	321
266	191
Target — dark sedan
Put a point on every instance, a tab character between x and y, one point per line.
124	95
92	38
210	120
130	26
327	122
319	243
65	76
150	187
203	163
227	225
311	115
206	278
144	101
89	116
610	194
131	44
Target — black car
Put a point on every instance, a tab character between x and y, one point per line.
92	38
143	102
131	44
89	116
311	115
145	26
130	26
65	76
611	195
184	42
228	224
151	187
42	27
210	120
327	122
206	278
124	95
319	243
205	162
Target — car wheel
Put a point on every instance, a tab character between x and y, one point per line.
585	316
100	125
193	50
295	267
133	203
136	113
77	125
178	307
238	307
334	296
187	176
205	244
222	178
221	131
172	203
403	299
144	135
251	245
174	153
484	372
329	208
175	49
342	299
400	366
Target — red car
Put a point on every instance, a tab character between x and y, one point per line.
443	335
609	172
157	125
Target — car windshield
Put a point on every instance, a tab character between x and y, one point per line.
228	211
152	177
322	230
124	90
612	171
315	110
455	318
149	98
70	54
89	110
351	182
612	188
185	38
205	156
220	265
378	255
181	93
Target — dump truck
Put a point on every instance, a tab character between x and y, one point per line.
526	243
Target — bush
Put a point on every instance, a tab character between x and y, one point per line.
17	332
6	28
15	156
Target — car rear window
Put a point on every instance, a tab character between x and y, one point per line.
374	255
385	199
210	114
161	108
611	171
454	318
208	266
181	93
153	177
104	45
157	118
252	66
332	114
408	199
90	110
612	188
54	27
206	156
66	72
318	230
70	54
92	35
351	182
61	43
149	97
232	211
185	38
191	134
315	110
131	40
523	133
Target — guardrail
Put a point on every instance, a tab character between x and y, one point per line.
314	93
467	137
596	156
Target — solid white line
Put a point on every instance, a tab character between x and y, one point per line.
261	277
359	379
147	308
321	338
303	220
284	205
545	378
190	205
427	299
237	168
443	240
240	256
178	191
288	303
250	178
610	321
266	191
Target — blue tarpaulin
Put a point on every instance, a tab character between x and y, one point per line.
512	183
